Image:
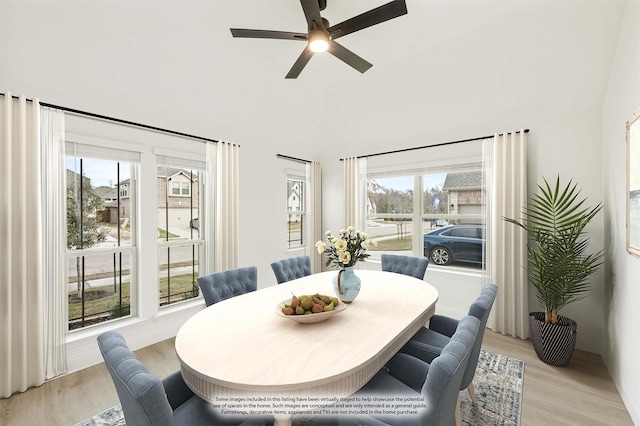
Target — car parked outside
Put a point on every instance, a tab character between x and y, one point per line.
455	243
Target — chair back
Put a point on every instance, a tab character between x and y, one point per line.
232	282
406	265
442	386
142	395
291	268
479	309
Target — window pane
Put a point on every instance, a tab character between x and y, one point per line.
178	214
295	212
389	212
461	204
99	287
175	188
178	273
179	202
99	204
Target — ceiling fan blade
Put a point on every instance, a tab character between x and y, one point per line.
348	57
374	16
303	59
312	13
280	35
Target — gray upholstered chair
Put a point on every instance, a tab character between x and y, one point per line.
147	400
428	343
406	265
438	383
232	282
291	268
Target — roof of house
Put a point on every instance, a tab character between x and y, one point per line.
106	192
463	180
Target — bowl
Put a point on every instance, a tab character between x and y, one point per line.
312	318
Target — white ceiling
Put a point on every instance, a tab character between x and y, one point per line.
493	61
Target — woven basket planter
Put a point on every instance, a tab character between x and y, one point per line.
554	343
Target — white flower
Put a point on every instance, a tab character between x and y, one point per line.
364	235
343	231
333	240
374	243
351	229
364	244
341	245
327	233
345	257
321	246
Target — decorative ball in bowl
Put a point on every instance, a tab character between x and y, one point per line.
308	309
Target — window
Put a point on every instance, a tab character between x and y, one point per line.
178	185
180	246
401	209
295	211
101	244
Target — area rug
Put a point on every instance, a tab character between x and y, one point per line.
497	384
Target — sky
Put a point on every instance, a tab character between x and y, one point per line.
101	172
406	182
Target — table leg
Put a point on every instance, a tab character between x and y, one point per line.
282	420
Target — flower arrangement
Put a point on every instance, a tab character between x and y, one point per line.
347	248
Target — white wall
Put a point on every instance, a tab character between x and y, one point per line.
622	292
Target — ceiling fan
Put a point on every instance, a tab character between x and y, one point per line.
321	35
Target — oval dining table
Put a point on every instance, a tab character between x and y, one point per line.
241	349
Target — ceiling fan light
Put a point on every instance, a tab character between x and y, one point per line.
319	42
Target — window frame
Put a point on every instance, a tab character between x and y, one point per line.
296	176
91	151
418	217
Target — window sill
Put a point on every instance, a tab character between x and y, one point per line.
95	330
168	312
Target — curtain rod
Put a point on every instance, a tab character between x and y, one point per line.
119	120
293	158
431	146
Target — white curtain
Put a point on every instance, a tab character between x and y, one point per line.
314	212
52	139
505	167
355	175
21	297
227	204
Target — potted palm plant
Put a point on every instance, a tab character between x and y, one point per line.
559	265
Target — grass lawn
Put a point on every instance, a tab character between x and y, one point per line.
294	226
393	244
103	299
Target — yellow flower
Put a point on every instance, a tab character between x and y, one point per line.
321	246
340	245
345	257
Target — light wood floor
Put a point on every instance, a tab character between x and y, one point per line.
581	393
